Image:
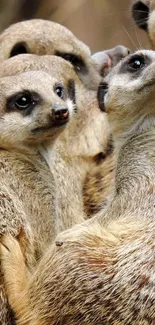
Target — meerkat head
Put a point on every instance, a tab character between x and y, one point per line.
143	13
128	94
42	37
34	108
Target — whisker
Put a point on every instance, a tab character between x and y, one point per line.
142	20
130	37
142	11
138	40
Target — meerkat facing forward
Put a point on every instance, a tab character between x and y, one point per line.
100	274
75	151
45	37
35	108
42	37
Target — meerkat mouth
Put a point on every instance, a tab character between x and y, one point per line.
56	125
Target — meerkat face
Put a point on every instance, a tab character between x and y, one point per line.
128	94
34	107
42	37
143	13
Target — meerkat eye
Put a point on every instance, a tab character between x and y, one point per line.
59	90
24	101
137	62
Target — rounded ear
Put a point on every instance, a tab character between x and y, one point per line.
140	14
19	48
105	60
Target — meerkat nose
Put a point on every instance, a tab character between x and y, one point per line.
60	113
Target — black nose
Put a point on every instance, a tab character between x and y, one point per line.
60	114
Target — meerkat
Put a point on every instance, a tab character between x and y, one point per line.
80	152
96	274
35	107
41	37
72	154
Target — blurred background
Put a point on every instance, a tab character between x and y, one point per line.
101	24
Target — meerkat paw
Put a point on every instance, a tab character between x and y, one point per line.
13	267
10	251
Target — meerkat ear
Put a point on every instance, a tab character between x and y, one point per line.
19	48
105	60
140	14
71	91
77	62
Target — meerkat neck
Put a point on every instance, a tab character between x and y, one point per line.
134	179
141	125
135	172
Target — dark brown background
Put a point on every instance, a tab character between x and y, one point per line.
101	24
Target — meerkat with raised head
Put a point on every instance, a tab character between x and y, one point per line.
35	108
93	274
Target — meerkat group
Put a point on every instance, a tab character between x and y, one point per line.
62	161
52	163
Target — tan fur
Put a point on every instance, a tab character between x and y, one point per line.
27	192
94	274
99	184
72	155
43	37
46	37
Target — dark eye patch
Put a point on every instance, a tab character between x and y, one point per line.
132	61
19	48
77	62
140	13
15	102
71	90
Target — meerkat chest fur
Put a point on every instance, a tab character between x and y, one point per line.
32	182
129	103
72	155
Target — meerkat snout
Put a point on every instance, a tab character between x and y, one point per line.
60	114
